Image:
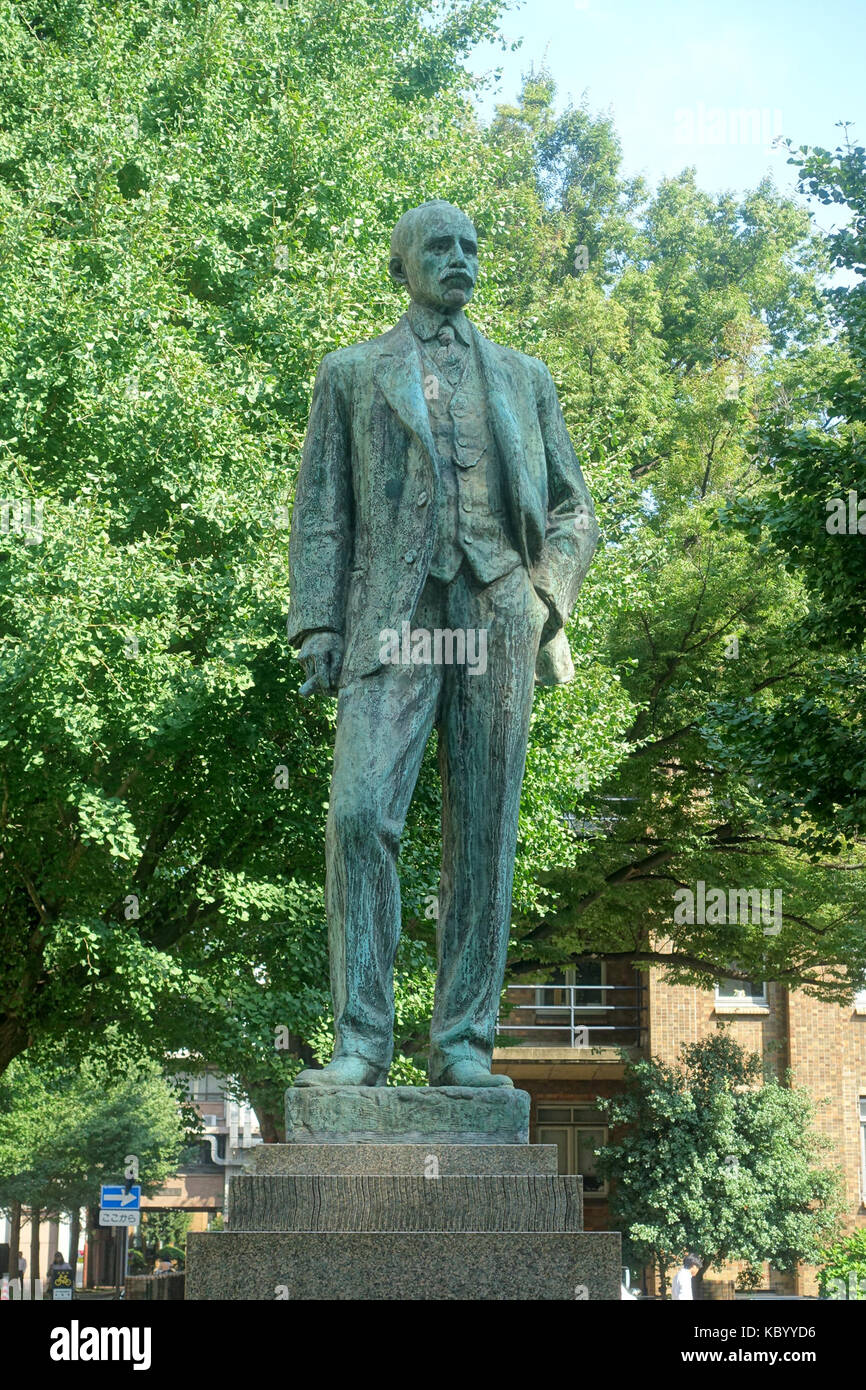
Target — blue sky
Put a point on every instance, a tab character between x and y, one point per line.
691	82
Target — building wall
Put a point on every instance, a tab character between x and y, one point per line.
189	1190
682	1014
828	1058
596	1215
823	1045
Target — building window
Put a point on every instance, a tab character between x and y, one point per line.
207	1087
749	992
591	974
860	1001
863	1150
578	1135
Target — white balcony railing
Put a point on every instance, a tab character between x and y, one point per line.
573	1015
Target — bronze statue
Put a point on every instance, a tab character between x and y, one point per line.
439	501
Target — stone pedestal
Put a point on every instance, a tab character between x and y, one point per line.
407	1115
404	1193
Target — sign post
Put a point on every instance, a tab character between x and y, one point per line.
120	1206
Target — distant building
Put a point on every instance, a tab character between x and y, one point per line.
200	1184
571	1039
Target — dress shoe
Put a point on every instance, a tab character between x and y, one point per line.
343	1071
465	1072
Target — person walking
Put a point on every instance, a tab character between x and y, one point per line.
682	1285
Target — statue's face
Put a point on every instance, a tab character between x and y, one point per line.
441	264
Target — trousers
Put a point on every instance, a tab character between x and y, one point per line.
384	721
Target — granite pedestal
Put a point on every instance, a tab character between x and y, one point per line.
362	1203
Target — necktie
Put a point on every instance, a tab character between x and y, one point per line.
447	355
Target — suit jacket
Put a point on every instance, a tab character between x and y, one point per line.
363	526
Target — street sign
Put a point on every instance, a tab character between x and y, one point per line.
120	1198
118	1218
60	1276
61	1294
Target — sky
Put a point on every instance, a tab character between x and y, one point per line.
697	83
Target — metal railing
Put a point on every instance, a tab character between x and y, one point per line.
580	1015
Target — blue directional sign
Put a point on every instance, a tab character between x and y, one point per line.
119	1199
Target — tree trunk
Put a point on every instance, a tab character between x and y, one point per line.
91	1249
13	1040
698	1291
74	1238
35	1213
271	1126
272	1121
14	1248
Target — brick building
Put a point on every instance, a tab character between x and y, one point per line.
568	1042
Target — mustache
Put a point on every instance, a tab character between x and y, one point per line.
457	272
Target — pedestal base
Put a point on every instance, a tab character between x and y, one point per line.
404	1193
242	1265
402	1160
377	1203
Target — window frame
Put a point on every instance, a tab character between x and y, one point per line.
744	1001
573	1128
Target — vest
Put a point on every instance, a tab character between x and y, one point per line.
470	517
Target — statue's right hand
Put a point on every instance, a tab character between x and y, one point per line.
322	656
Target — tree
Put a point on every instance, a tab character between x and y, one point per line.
710	1161
165	1230
194	201
843	1268
66	1129
669	351
805	505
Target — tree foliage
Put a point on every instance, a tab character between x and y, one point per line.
66	1129
715	1163
671	347
187	228
196	201
843	1268
806	508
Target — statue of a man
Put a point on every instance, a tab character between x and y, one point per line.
441	532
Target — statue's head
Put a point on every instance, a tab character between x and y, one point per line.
434	253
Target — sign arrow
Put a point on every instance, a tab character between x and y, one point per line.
120	1199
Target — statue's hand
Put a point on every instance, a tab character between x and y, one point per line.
322	657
